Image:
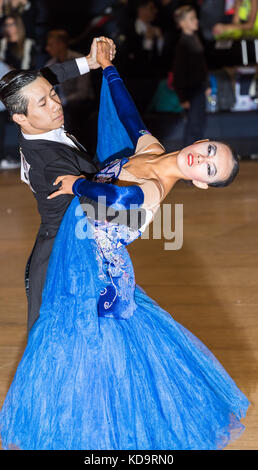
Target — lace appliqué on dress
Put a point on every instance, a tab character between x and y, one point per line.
115	268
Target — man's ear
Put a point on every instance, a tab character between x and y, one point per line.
200	141
200	184
19	118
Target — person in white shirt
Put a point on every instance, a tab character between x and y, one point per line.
152	35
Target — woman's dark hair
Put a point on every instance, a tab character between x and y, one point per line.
11	85
234	172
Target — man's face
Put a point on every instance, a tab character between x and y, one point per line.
206	162
54	47
45	112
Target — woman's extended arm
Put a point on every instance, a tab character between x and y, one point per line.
124	104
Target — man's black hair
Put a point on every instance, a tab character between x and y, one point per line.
11	85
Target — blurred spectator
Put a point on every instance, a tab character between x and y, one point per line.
142	52
245	19
110	20
151	36
191	74
116	25
211	12
34	14
16	49
170	31
7	161
58	48
167	9
77	94
96	7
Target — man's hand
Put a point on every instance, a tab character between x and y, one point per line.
92	57
66	187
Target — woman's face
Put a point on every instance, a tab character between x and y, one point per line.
10	28
205	162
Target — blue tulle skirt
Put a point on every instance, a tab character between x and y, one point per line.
92	382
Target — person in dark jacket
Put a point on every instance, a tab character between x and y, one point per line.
191	74
47	151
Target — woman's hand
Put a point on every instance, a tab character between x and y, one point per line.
66	186
104	52
92	57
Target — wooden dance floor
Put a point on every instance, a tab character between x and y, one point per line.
210	285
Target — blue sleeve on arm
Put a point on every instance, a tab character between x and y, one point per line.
125	107
118	197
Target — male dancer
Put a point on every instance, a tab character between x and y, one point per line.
47	151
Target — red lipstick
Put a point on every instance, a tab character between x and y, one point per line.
190	159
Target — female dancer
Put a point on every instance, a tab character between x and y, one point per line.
105	367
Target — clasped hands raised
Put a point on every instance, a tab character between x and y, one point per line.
102	52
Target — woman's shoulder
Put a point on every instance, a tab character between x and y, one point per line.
147	143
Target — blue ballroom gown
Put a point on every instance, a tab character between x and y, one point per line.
106	368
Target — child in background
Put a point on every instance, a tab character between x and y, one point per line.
191	74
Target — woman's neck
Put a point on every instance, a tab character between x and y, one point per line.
167	171
167	164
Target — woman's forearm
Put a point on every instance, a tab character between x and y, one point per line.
124	104
119	198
